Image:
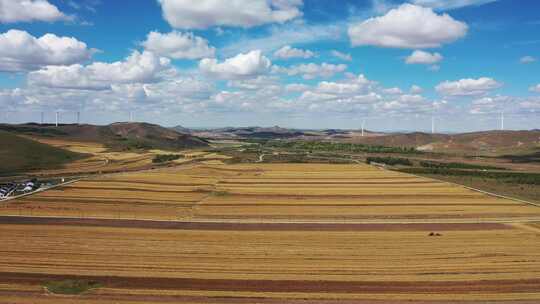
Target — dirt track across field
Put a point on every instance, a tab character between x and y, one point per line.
224	226
152	283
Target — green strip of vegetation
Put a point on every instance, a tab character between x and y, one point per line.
437	165
163	158
220	193
507	177
333	147
524	159
391	161
71	287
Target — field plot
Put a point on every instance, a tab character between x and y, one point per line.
269	233
468	261
349	193
137	196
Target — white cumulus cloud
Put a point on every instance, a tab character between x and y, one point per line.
416	89
342	56
450	4
422	57
535	89
20	51
312	70
12	11
527	59
408	26
137	68
468	87
202	14
178	45
241	66
288	52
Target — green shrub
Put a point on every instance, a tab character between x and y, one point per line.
321	146
457	166
392	161
163	158
71	287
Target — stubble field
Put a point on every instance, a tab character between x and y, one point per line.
270	234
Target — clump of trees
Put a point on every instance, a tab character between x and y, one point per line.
437	165
163	158
506	177
337	147
391	161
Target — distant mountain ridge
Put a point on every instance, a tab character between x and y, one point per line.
123	135
496	142
275	132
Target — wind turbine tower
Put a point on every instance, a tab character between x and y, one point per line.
78	118
502	121
432	124
363	127
57	117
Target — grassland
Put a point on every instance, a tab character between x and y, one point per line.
18	154
269	233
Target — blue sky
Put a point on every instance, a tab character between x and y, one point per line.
293	63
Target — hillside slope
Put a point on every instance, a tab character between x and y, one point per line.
117	136
146	135
19	154
487	142
415	139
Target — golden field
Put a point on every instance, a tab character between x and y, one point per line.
269	192
471	262
270	233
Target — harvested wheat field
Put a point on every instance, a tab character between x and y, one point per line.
269	192
270	233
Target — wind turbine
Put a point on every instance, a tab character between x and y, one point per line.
57	117
363	126
502	120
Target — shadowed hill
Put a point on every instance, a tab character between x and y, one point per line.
19	154
117	136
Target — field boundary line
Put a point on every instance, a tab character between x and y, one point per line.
263	221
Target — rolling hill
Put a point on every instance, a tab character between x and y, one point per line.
487	142
275	132
19	154
116	136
